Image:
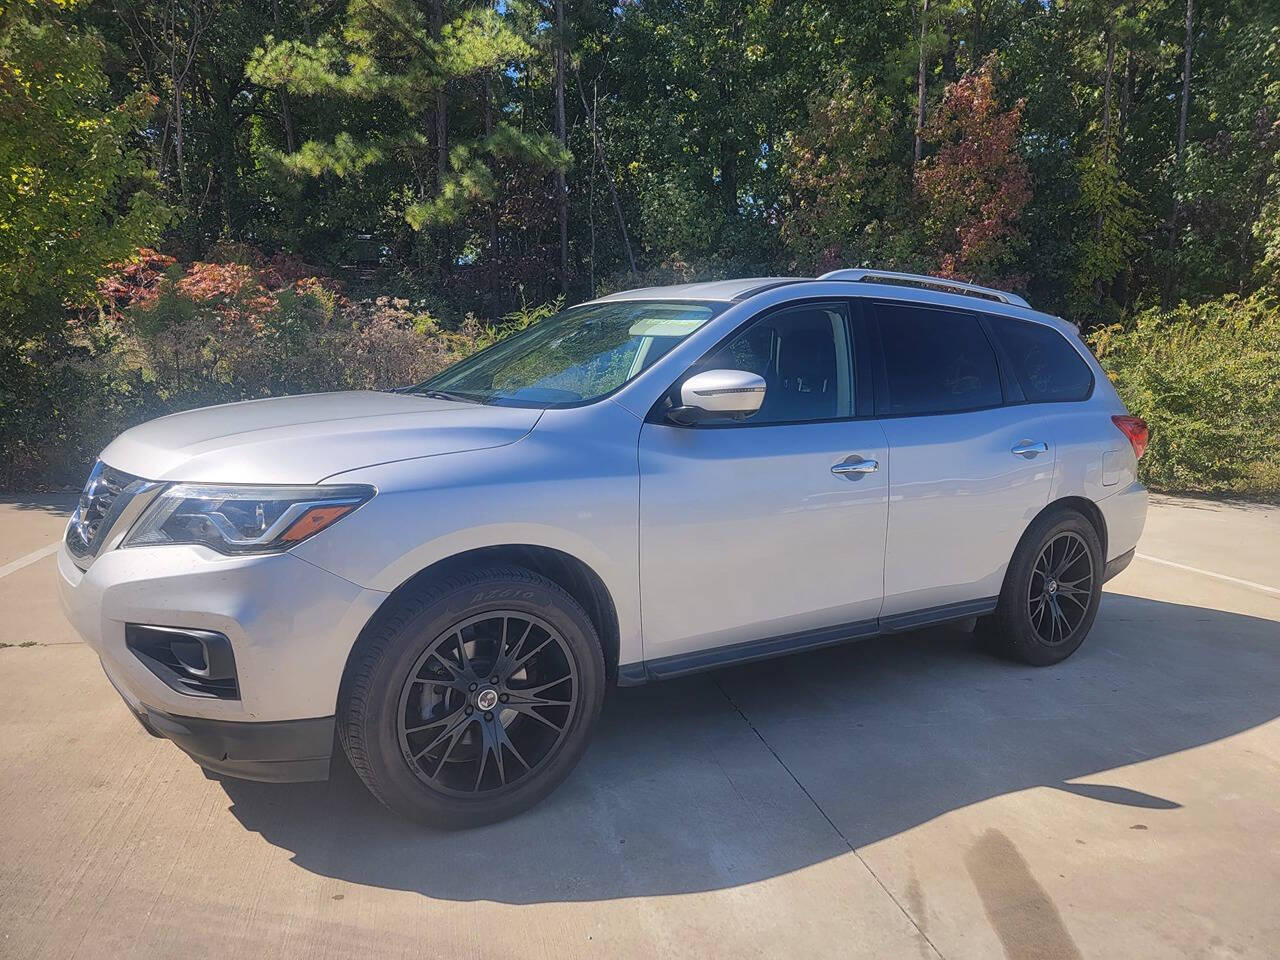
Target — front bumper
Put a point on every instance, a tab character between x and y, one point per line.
291	626
285	751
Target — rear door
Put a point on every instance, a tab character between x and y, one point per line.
971	465
772	527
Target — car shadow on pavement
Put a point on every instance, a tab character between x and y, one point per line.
54	504
750	772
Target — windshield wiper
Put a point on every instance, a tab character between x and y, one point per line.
448	395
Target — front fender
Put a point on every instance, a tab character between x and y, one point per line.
571	485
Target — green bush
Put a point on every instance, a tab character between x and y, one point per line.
167	337
1207	381
170	337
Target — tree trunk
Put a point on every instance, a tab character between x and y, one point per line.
1106	92
1166	289
608	177
179	84
488	132
442	106
1126	96
443	255
179	75
1120	286
728	155
562	194
975	40
220	114
285	116
723	74
591	205
442	138
1098	284
1186	85
920	85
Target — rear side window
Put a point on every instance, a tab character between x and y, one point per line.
1047	367
935	361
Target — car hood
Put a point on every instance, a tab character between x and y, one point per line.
305	439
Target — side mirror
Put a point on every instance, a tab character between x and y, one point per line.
718	395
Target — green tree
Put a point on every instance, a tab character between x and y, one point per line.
400	63
1111	223
848	184
75	191
1223	185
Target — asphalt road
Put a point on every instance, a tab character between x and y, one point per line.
902	797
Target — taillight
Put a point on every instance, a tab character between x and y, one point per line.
1135	428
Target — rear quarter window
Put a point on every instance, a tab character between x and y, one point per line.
1047	367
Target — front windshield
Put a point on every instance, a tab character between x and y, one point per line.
574	357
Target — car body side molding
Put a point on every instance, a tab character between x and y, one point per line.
914	619
667	668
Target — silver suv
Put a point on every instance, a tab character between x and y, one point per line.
447	577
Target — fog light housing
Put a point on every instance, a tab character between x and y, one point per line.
197	663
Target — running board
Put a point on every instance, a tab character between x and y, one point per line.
682	664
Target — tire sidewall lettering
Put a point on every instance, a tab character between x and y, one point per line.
501	593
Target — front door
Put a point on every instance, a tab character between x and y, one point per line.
770	531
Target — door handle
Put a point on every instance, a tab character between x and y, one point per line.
854	467
1030	450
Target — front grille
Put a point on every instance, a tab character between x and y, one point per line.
106	493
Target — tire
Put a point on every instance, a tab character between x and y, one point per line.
422	680
1047	606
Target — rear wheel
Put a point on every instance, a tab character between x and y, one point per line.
1051	591
474	699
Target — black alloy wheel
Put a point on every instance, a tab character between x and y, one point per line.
1051	592
487	702
1061	588
472	696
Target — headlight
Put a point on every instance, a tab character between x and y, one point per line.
238	520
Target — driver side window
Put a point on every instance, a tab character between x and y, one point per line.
803	353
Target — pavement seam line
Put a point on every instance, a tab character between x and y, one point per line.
831	823
30	558
1209	573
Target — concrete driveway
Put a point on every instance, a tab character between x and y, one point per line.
902	797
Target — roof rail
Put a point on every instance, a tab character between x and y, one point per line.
923	280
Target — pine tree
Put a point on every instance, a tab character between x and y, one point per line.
415	68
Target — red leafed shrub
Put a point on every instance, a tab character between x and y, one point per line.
136	282
167	336
971	192
242	325
234	292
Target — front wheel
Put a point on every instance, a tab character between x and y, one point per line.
1051	591
474	698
